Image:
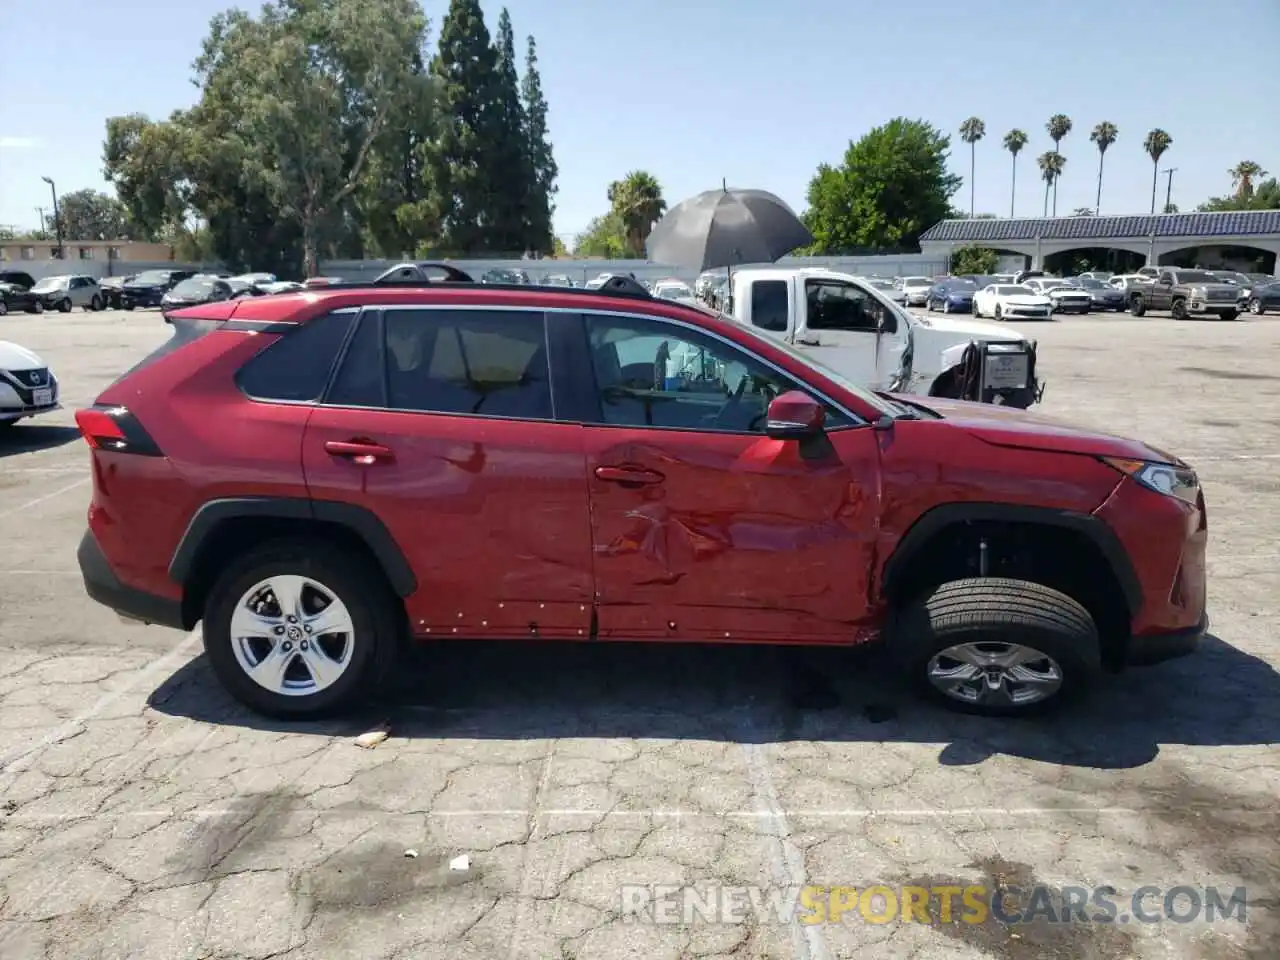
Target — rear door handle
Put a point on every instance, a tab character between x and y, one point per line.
629	475
364	452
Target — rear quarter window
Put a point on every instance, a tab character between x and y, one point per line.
296	368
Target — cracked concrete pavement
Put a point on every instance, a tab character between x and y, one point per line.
144	815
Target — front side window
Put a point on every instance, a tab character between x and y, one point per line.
479	363
649	373
836	305
769	305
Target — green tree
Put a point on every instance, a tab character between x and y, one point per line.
892	185
1051	164
973	260
1249	191
605	236
1243	177
300	95
1014	141
636	200
146	163
91	215
1156	143
971	131
1103	136
513	183
462	176
1083	212
545	171
1058	127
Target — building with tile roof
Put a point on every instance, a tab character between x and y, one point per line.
1150	236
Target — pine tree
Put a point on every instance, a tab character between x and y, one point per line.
540	238
514	180
461	171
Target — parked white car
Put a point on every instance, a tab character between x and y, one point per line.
672	290
915	291
67	291
1011	302
27	386
1065	297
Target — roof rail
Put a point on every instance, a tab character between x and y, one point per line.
409	275
622	285
418	273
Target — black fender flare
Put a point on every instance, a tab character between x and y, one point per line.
933	521
360	521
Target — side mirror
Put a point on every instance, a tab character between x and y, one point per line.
794	416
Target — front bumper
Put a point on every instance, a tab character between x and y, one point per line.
141	298
1072	306
1153	648
102	585
1212	308
20	400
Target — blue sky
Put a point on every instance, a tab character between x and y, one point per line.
759	93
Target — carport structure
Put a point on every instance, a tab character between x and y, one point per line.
1154	237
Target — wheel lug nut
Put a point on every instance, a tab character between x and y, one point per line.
292	619
287	646
279	630
307	629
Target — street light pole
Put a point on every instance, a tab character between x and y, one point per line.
57	220
40	210
1168	192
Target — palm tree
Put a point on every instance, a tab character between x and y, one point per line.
971	131
1051	165
1104	135
1243	176
1014	141
1059	126
1156	143
637	201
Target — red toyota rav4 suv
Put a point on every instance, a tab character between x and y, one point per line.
318	476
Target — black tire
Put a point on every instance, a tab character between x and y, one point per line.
1178	309
998	313
997	610
1231	315
1137	305
1257	307
64	306
128	306
4	308
95	304
36	307
374	611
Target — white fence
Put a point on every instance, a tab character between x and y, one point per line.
100	268
889	265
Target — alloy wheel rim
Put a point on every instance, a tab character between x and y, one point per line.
995	674
292	635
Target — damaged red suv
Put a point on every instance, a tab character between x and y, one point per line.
319	476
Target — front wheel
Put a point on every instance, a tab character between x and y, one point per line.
1178	310
4	308
999	313
296	629
996	646
36	307
1137	306
95	304
1230	314
1256	307
64	306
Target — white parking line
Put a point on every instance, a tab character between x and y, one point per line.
762	814
48	496
30	751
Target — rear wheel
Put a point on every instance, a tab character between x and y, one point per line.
4	308
298	629
996	646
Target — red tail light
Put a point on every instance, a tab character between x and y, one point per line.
115	429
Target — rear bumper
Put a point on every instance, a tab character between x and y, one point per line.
1155	648
102	585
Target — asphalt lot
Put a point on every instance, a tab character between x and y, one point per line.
144	815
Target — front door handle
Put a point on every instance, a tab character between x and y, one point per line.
629	475
364	452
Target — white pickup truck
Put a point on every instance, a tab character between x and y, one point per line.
856	329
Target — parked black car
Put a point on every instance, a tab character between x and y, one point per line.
501	275
1105	296
148	288
15	297
1265	296
194	291
240	287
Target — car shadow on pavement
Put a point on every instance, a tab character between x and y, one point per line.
520	690
32	438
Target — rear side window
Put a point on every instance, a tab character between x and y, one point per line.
296	368
185	331
480	363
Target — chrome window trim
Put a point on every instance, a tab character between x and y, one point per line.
855	419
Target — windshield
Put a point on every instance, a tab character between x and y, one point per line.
193	288
50	283
1091	284
152	276
1195	276
670	291
955	285
1054	285
1018	291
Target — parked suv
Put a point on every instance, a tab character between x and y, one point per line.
64	292
321	475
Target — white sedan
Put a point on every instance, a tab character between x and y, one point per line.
27	386
1065	297
915	291
672	290
1002	301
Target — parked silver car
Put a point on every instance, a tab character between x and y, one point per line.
71	290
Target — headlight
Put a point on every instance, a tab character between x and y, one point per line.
1166	478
